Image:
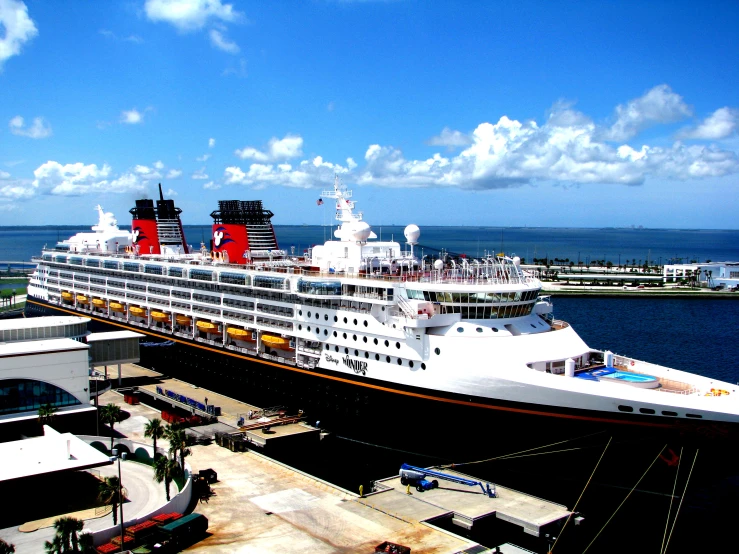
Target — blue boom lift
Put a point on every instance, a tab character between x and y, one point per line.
417	477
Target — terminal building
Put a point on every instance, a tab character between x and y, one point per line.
709	274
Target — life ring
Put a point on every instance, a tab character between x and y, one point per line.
632	362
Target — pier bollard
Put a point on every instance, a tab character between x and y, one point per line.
408	489
361	491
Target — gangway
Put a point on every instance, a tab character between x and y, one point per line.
417	475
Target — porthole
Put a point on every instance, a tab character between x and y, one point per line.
669	413
356	352
336	334
345	320
534	326
694	416
336	319
318	331
377	357
397	345
646	410
383	308
354	337
328	347
437	351
625	409
376	341
300	312
325	332
336	348
479	329
325	316
300	327
387	343
410	363
460	329
364	339
346	351
355	322
423	366
344	335
366	354
318	316
308	314
365	323
495	329
387	359
308	328
400	362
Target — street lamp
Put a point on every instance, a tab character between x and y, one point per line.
113	458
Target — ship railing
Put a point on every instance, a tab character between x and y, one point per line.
316	351
558	324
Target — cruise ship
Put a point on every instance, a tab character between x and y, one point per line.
357	325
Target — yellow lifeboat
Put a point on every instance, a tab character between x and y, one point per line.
137	311
98	302
238	333
67	296
117	307
159	316
81	299
182	319
276	342
207	326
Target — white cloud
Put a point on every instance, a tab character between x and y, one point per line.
17	27
39	129
132	117
203	158
306	174
199	174
210	185
450	139
4	174
174	174
78	178
190	15
658	105
218	40
277	149
18	189
720	124
158	165
112	36
148	173
211	142
170	192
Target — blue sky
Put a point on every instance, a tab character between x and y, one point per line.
535	113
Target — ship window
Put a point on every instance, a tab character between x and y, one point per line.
308	328
308	314
397	345
377	357
669	413
495	329
325	332
694	416
423	366
410	363
325	316
479	329
354	337
625	409
460	329
328	347
400	362
153	269
336	319
337	348
387	359
344	335
365	323
300	312
437	351
336	334
646	410
366	354
300	327
364	339
376	341
355	322
318	331
345	320
346	351
317	316
387	343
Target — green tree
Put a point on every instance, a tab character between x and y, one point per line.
111	414
6	547
46	414
155	430
67	537
109	492
178	444
165	470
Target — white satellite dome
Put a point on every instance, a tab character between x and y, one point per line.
438	264
361	231
516	261
412	232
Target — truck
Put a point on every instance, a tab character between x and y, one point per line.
418	478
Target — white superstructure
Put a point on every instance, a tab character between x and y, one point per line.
470	331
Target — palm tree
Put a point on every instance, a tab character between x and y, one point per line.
165	470
155	430
178	444
67	536
110	414
109	493
6	547
46	414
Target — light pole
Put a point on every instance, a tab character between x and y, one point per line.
114	457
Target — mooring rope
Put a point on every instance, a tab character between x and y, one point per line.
674	521
574	508
669	510
624	500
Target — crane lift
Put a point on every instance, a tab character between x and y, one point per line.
418	477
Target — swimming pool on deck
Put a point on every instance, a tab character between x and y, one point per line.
612	375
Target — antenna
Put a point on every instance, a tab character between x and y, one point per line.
161	195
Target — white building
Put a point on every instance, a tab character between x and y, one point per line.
710	274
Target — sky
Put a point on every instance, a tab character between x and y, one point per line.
529	113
